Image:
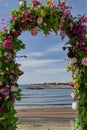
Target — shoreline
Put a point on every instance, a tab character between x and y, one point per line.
41	86
46	119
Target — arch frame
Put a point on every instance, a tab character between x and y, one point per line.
48	18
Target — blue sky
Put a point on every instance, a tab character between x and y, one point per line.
45	60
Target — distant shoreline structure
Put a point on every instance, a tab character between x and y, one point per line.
48	86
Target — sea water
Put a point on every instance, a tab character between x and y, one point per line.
44	98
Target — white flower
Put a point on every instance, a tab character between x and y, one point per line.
73	61
74	105
13	88
6	53
21	3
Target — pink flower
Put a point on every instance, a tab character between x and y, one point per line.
51	3
13	99
10	37
2	19
35	4
34	31
4	91
39	20
7	44
84	61
71	84
11	77
62	19
62	4
31	5
14	18
2	23
3	28
79	97
67	13
83	20
73	95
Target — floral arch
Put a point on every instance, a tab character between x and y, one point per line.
47	18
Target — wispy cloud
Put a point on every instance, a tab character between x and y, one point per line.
38	63
36	54
51	70
54	49
6	4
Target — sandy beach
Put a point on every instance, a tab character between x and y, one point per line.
46	119
46	125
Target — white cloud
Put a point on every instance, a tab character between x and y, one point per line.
36	54
51	70
38	63
45	75
54	49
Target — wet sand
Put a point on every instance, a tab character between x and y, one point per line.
66	113
46	119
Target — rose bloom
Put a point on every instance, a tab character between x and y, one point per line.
51	3
34	31
4	91
12	71
39	20
10	37
84	61
14	18
71	84
79	97
62	4
73	95
7	44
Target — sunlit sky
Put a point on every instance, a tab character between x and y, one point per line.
45	60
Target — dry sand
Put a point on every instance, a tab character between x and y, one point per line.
46	119
46	125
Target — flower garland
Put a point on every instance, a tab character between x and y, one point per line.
47	18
